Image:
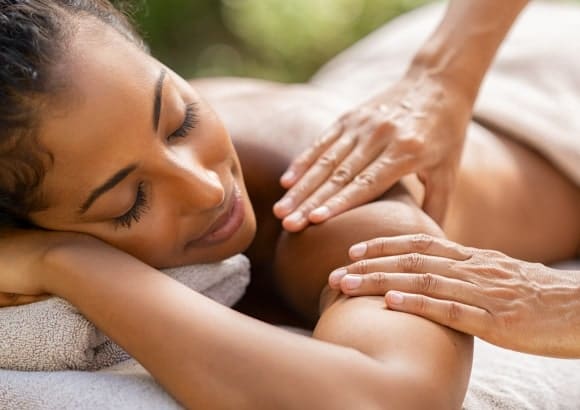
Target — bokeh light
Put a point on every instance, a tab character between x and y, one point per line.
285	40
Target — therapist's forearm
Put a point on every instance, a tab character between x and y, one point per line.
464	45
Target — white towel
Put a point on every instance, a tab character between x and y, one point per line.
52	335
507	380
531	93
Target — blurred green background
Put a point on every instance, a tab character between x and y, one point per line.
285	40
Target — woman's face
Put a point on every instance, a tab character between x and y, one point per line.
140	160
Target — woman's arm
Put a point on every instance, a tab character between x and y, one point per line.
208	356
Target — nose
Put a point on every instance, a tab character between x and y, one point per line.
196	187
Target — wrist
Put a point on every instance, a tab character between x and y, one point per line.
439	63
449	95
560	294
67	259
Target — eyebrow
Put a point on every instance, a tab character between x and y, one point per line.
106	187
157	100
116	179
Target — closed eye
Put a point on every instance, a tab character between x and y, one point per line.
189	122
136	212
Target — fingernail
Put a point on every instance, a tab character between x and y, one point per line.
352	282
284	205
395	298
288	176
336	276
295	218
358	250
323	212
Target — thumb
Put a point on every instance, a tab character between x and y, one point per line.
438	188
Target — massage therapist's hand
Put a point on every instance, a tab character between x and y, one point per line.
23	263
514	304
417	126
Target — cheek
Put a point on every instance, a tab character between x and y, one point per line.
153	240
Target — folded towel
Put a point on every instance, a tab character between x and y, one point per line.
506	380
531	93
52	335
125	386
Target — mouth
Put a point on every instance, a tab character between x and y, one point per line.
226	225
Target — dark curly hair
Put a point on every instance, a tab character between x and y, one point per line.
33	39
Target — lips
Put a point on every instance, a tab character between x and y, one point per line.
226	225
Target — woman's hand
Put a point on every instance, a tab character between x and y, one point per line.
418	126
514	304
23	264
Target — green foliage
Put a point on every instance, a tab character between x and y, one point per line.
285	40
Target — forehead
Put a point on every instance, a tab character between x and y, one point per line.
108	101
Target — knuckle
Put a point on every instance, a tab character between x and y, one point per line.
327	160
421	304
490	269
298	191
341	176
488	254
338	202
411	262
377	246
365	179
426	283
361	267
382	246
381	280
318	144
421	242
305	158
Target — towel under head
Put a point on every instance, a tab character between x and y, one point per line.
53	335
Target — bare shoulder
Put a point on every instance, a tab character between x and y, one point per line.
274	118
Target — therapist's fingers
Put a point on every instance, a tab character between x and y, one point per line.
428	284
319	172
305	160
407	263
462	317
342	176
405	244
377	268
334	182
370	183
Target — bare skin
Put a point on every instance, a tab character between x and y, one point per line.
187	183
499	184
100	280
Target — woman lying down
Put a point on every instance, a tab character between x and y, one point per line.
113	167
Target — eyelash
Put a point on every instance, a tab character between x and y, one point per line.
190	122
136	212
